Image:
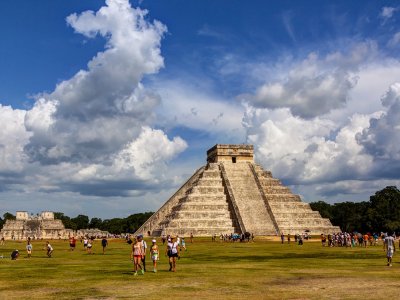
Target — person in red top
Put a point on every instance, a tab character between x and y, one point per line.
366	237
72	243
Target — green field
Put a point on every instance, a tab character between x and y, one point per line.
260	270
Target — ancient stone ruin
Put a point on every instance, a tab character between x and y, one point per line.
33	226
232	194
42	226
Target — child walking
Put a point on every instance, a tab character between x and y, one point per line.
154	255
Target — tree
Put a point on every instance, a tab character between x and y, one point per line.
95	223
384	211
81	221
8	216
325	209
350	216
68	223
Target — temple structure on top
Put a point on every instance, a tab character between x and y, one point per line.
232	194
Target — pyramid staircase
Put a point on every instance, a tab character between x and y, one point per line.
226	197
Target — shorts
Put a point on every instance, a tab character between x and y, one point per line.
72	245
138	256
154	257
173	255
390	252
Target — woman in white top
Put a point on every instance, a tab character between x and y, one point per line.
173	252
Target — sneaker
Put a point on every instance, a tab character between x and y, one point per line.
154	271
390	265
142	272
135	274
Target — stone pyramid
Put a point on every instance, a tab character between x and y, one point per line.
232	194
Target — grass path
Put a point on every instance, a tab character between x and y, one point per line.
259	270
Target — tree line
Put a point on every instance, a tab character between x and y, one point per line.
115	225
380	214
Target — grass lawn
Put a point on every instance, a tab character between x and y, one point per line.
260	270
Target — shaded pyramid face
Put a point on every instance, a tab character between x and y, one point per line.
231	194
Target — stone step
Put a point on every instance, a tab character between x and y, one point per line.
204	206
203	197
199	231
296	214
282	198
270	182
211	174
198	223
310	222
204	214
209	182
206	190
262	173
276	190
289	206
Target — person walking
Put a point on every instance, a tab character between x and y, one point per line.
104	244
144	250
172	252
154	252
136	256
390	248
72	243
89	246
29	248
183	244
49	249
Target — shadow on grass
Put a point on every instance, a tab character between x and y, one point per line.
292	255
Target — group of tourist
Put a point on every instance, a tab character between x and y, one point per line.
176	245
87	243
346	239
139	251
15	253
234	237
298	238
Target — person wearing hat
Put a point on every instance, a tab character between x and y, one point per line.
173	252
154	254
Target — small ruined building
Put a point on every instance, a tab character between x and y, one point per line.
232	194
42	226
34	226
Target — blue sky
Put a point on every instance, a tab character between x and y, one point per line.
86	86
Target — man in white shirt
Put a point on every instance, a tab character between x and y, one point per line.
390	248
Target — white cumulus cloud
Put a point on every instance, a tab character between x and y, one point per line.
93	134
316	85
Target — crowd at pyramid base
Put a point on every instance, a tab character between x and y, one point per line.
232	194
